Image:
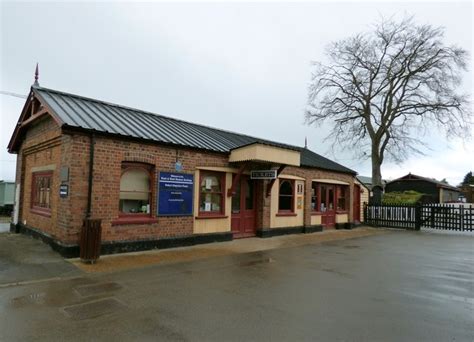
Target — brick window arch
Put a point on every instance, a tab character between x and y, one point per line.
286	196
211	193
135	190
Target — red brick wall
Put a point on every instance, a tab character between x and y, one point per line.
108	156
45	145
40	149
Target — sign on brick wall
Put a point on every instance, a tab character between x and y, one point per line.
263	174
175	194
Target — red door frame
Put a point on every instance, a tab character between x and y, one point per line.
243	223
328	218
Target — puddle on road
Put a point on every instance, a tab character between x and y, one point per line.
93	309
339	273
97	289
33	298
256	262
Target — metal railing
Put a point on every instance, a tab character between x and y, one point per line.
436	216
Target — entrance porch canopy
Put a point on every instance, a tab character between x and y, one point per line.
261	152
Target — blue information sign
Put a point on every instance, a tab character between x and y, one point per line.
175	195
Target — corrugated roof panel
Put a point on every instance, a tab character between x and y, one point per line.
149	127
56	107
93	114
125	122
194	136
110	125
83	111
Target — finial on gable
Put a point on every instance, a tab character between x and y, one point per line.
36	75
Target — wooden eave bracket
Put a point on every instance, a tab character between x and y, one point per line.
235	181
35	116
44	108
270	185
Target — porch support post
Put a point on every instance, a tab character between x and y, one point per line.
270	185
231	191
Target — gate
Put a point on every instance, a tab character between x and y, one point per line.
435	216
447	217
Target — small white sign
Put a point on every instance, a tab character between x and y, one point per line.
263	174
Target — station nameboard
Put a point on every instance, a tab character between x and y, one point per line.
175	195
263	174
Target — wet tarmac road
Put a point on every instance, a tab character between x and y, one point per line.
401	286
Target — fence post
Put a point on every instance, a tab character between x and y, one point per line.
461	217
418	216
432	216
365	213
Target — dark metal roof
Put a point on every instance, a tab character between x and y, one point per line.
86	113
312	159
411	176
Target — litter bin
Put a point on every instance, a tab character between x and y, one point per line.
91	239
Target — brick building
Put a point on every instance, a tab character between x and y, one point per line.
158	182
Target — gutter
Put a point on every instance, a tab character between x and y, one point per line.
91	176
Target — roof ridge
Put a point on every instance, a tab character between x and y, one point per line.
433	180
85	111
159	115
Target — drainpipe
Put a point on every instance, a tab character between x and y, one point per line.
91	171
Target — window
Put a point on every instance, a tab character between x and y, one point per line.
135	193
342	198
327	197
285	197
330	198
41	192
323	204
314	197
211	193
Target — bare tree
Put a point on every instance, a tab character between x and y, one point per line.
383	90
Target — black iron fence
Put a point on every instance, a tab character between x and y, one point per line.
436	216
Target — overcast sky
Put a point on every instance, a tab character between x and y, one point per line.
244	67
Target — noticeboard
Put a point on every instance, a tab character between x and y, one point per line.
63	190
175	194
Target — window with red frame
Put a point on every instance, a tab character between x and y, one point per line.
323	196
211	193
135	190
342	191
286	196
41	191
314	196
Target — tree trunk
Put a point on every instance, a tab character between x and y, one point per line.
377	187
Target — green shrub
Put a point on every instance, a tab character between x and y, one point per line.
406	197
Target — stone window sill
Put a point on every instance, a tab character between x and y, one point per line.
124	220
285	214
216	216
41	211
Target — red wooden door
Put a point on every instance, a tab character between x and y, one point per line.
243	209
328	205
356	201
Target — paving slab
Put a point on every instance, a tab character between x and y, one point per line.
4	227
93	309
24	259
398	286
120	262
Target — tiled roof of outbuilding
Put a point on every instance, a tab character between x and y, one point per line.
86	113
